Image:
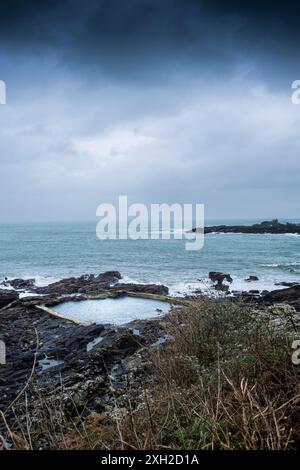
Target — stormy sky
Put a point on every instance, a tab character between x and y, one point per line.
163	101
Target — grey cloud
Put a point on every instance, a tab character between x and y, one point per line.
164	101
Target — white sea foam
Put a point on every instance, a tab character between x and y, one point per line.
181	289
269	265
240	284
206	287
5	287
43	281
281	265
130	280
40	281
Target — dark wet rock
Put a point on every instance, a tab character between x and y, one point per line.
250	296
222	287
279	295
156	289
252	278
60	346
7	296
219	278
291	296
216	276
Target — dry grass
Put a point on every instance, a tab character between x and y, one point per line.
225	381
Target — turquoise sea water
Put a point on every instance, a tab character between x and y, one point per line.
50	251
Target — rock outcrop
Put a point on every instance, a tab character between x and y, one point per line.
291	296
7	296
86	284
219	278
155	289
272	226
19	283
252	279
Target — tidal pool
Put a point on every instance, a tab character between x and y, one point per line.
115	311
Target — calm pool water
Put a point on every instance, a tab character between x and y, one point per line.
117	311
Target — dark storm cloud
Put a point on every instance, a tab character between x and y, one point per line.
121	21
142	36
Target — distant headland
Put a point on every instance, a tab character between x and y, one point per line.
269	226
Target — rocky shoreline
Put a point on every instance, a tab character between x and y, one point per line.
87	367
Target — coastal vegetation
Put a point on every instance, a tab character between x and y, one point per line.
223	380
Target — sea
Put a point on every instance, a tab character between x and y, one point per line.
52	251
